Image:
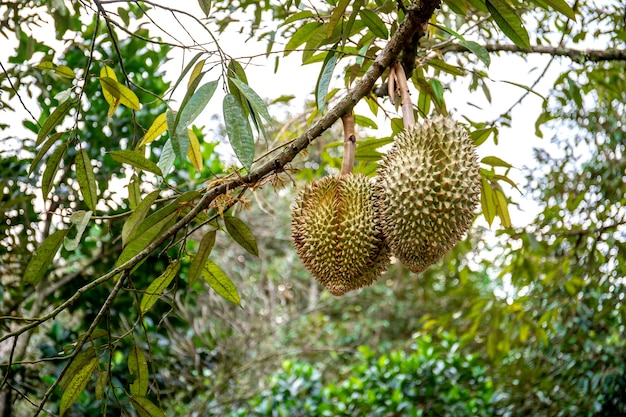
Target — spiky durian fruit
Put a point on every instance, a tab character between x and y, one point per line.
429	187
337	234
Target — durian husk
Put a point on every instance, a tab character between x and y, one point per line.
429	188
337	233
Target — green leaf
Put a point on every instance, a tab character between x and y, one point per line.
138	367
145	408
52	166
80	219
198	261
495	161
258	105
374	23
487	201
137	216
300	36
472	46
241	234
187	114
167	158
205	5
437	90
159	215
445	67
134	192
45	147
219	281
86	179
364	121
156	288
186	70
53	120
121	93
305	14
76	385
158	127
147	237
479	51
507	19
479	136
336	15
323	81
137	160
525	87
562	7
238	130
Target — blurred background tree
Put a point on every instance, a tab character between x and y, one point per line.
528	320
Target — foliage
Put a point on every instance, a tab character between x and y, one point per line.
426	380
116	201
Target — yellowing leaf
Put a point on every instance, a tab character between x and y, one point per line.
145	408
502	208
65	71
138	368
86	179
241	234
219	281
80	360
121	93
197	69
194	153
76	385
158	127
156	287
109	73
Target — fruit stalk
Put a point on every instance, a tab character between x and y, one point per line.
349	143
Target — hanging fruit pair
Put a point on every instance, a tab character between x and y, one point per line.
422	202
428	186
336	228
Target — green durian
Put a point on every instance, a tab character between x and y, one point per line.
429	188
337	234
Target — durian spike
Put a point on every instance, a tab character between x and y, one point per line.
407	106
349	143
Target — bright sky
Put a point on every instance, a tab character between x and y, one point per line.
516	143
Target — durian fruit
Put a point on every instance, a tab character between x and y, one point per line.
337	234
429	187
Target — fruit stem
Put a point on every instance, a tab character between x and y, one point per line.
349	143
405	95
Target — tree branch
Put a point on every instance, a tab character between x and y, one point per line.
578	55
419	13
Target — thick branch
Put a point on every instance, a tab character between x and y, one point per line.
578	55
